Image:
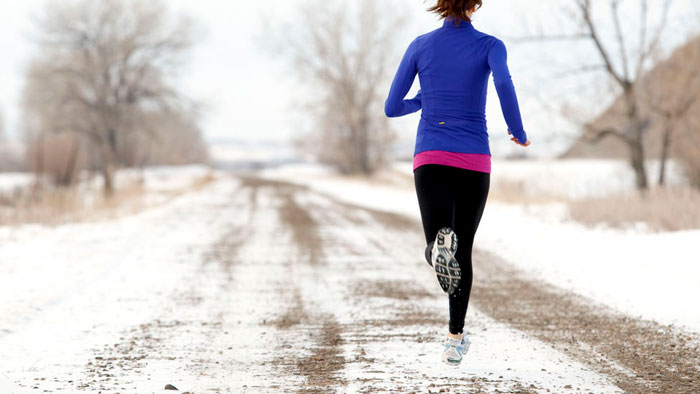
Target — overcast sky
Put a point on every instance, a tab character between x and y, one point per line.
250	95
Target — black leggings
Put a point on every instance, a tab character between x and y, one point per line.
453	197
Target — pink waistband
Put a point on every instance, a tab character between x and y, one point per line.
468	161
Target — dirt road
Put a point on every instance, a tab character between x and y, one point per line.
304	293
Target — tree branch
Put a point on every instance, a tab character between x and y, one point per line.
642	37
614	5
585	8
653	45
595	135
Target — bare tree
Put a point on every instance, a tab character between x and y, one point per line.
625	48
103	66
626	73
342	52
671	91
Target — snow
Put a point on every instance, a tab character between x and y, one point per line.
499	354
160	178
70	288
10	181
650	275
70	291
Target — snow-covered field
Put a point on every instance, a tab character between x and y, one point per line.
291	279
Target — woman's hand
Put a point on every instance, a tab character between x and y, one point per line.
526	144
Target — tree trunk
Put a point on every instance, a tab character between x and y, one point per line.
109	157
39	162
69	173
108	177
108	168
666	144
365	167
636	138
39	158
638	165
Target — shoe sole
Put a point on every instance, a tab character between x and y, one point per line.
446	266
453	362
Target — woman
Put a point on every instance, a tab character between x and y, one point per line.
452	159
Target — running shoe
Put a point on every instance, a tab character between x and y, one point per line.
443	260
455	349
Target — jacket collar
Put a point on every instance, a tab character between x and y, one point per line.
450	22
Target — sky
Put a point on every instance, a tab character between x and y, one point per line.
250	94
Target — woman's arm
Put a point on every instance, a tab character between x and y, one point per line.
498	61
413	104
395	104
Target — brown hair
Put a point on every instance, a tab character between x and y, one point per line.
456	9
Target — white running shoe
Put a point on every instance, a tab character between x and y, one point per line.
455	350
443	260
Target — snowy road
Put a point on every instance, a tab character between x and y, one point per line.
261	286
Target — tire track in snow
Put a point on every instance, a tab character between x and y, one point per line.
212	335
372	313
226	348
145	351
301	323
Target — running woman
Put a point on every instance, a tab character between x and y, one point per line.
452	158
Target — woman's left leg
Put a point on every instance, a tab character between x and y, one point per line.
472	192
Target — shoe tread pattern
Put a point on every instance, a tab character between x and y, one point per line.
445	265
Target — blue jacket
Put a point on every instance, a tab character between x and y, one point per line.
453	64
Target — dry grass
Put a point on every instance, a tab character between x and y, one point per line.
519	192
201	182
54	206
660	210
668	209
